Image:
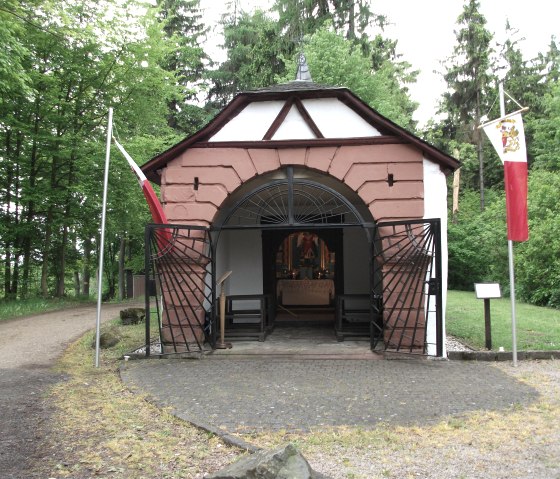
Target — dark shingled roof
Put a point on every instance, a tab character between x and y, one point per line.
294	85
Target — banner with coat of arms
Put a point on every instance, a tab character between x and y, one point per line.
508	139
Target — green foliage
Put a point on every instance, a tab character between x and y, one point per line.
547	132
254	56
538	260
79	59
24	307
334	60
468	74
477	243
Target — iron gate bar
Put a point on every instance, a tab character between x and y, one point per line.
174	285
415	280
184	266
412	249
263	202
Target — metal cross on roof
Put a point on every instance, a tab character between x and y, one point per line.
303	73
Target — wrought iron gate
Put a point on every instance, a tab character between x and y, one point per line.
179	264
406	286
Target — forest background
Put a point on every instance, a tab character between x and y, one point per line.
64	63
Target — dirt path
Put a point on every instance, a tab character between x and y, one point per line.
28	348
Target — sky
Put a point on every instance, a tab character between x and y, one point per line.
425	33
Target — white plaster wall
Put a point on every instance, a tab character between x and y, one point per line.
435	206
356	261
240	252
335	120
294	127
251	124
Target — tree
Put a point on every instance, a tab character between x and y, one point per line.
186	61
255	52
547	132
334	60
78	61
468	77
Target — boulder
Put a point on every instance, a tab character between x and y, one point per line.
283	463
108	338
133	316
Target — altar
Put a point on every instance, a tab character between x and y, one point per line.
305	292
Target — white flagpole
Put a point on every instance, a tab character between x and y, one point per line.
510	256
102	243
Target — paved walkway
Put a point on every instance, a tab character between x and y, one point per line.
263	393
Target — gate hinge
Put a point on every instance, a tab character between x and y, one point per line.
433	286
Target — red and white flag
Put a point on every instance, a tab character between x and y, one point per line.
508	138
158	216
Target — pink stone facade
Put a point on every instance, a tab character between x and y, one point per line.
218	172
366	169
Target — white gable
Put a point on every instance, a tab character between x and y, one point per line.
294	127
333	118
336	120
251	123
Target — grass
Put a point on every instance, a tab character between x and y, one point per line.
100	429
10	309
537	328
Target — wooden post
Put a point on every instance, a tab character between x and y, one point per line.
456	184
487	324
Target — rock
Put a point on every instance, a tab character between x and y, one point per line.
108	338
133	316
282	463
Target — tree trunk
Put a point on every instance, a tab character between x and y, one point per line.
351	20
30	215
86	275
478	134
16	225
60	288
122	252
76	283
46	247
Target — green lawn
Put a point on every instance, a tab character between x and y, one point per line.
537	328
23	307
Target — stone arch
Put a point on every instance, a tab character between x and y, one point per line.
388	178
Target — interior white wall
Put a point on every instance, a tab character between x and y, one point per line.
241	252
356	261
435	206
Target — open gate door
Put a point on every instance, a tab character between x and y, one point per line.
406	292
180	262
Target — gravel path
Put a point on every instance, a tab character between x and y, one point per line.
28	348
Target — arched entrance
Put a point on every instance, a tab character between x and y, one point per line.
297	237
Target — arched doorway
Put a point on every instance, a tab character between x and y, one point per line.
298	237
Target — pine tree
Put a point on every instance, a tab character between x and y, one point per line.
469	81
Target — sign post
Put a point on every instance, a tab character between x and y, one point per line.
487	291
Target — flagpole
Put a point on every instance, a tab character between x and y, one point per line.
102	242
510	257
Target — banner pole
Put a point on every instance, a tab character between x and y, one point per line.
102	242
510	258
